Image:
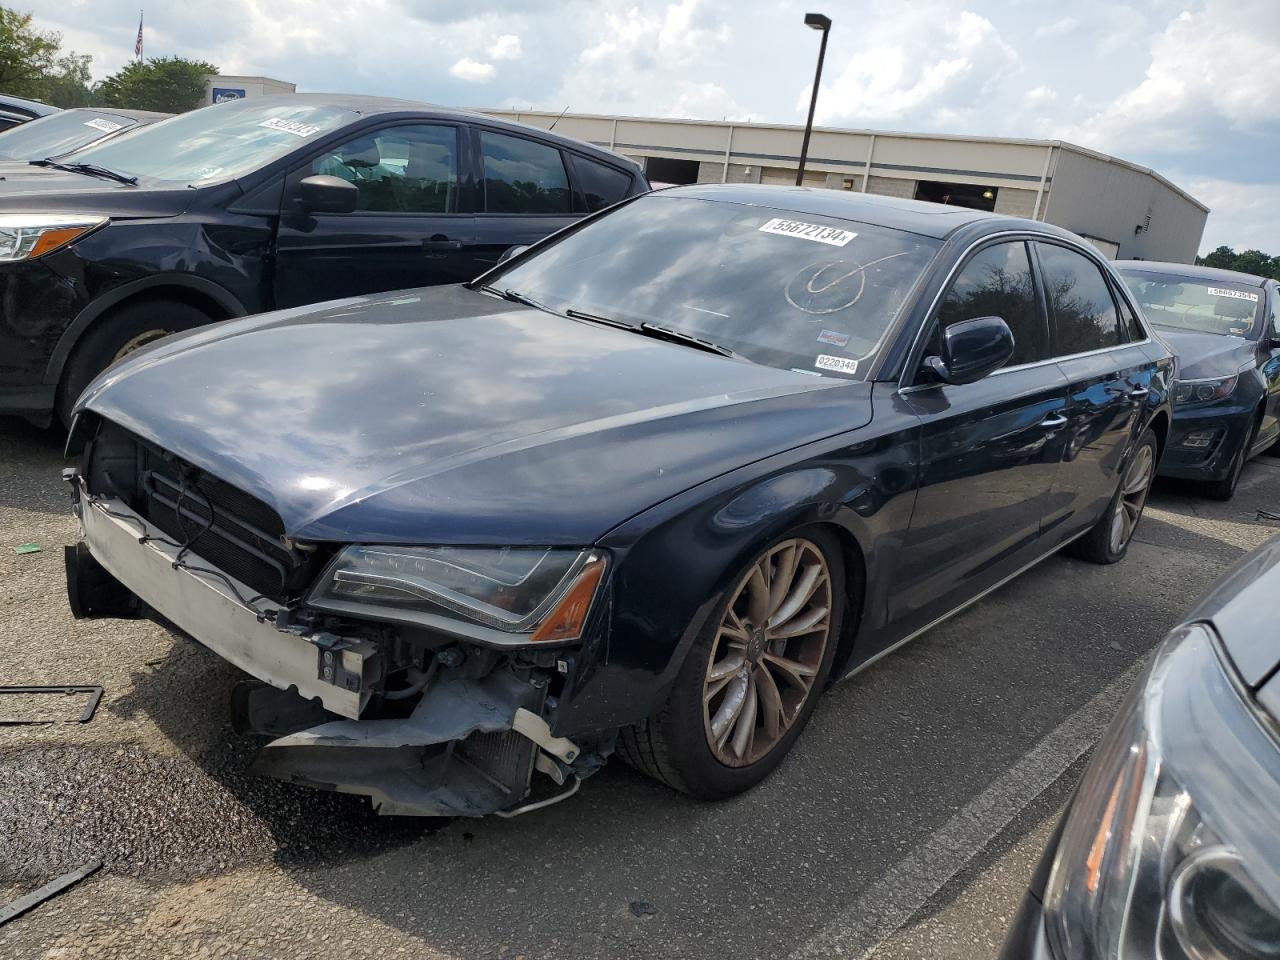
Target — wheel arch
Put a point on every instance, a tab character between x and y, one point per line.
197	292
1159	425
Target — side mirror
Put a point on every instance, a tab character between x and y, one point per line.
325	194
971	349
510	252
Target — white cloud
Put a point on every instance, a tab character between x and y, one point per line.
1058	28
506	47
472	70
1040	96
1217	63
1242	215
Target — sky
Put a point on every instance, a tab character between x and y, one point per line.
1190	89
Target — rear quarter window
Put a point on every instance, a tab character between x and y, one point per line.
601	185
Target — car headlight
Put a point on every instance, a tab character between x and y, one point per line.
540	593
27	236
1202	391
1172	846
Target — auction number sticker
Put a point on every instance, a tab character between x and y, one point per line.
290	126
833	236
106	126
838	364
1234	294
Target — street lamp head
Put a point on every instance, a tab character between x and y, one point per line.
817	21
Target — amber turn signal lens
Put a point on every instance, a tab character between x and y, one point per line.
568	618
51	240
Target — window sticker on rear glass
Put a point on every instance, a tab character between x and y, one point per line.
1235	294
290	126
838	364
818	232
833	338
106	126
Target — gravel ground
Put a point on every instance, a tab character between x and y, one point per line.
202	857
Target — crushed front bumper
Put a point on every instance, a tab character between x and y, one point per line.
470	746
1204	440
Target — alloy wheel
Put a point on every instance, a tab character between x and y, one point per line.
141	340
767	652
1133	496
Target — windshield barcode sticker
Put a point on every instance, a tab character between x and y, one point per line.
1234	294
106	126
839	364
290	126
808	231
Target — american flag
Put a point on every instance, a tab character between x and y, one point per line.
137	47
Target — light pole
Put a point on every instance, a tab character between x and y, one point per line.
815	21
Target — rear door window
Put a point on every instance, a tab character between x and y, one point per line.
1081	310
997	282
601	185
523	176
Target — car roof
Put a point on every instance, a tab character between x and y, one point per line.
1190	270
914	216
27	108
371	106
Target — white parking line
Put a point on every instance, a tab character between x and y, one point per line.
890	901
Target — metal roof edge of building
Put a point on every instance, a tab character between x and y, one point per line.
954	137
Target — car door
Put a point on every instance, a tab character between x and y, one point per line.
525	193
1108	374
1269	364
989	450
411	226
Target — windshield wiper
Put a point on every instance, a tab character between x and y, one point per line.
89	169
688	339
596	318
515	296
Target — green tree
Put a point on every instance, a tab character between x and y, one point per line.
169	84
27	55
1250	261
69	83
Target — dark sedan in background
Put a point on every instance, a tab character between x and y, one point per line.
648	486
256	204
59	133
15	111
1171	846
1224	328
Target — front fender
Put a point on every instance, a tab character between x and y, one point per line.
674	562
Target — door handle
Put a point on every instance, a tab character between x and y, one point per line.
436	244
1137	393
1054	422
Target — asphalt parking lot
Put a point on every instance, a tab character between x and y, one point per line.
905	822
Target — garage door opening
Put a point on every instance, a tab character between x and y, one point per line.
666	170
958	194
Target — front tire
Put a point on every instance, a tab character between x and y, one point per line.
114	336
752	678
1108	541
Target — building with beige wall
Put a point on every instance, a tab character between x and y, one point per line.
1128	211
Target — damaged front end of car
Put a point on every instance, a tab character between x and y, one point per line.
424	677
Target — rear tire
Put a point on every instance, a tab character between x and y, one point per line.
1108	540
115	335
758	652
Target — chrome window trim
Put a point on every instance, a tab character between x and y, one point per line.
1007	236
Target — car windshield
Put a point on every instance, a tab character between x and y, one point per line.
793	290
215	143
59	133
1223	307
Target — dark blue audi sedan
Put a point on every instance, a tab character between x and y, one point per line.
644	488
1224	328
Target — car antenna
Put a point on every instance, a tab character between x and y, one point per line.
559	118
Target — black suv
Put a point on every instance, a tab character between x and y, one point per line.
259	204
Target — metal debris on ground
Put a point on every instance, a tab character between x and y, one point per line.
643	909
95	697
27	548
1267	515
51	889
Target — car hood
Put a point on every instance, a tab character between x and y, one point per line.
1241	607
1202	355
24	187
446	416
